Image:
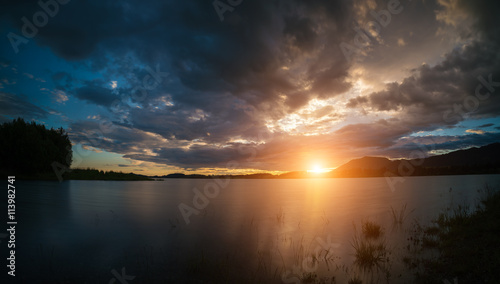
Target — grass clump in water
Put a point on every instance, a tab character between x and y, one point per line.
371	252
371	230
368	254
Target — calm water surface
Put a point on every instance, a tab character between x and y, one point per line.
83	230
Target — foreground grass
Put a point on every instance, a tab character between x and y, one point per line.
460	244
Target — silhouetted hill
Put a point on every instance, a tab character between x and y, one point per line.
483	160
299	174
371	163
365	167
483	156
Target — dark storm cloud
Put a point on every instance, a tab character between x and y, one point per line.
199	156
434	90
301	31
95	93
136	144
427	97
486	125
63	80
242	57
14	106
410	37
196	124
382	133
77	28
119	139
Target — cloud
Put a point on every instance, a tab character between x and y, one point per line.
60	96
29	75
475	131
242	58
94	93
486	125
421	100
89	148
15	106
62	80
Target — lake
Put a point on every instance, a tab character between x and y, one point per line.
253	231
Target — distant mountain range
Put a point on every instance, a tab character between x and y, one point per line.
483	160
476	160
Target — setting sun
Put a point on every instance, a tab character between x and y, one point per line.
318	169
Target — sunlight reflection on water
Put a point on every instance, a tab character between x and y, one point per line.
86	228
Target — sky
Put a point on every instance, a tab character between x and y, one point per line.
243	86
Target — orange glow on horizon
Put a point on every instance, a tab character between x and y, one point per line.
317	169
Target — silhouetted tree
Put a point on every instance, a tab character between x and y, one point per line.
28	149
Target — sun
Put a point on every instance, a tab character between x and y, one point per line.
317	169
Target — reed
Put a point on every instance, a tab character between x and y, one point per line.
399	216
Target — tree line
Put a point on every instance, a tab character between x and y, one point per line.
28	149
